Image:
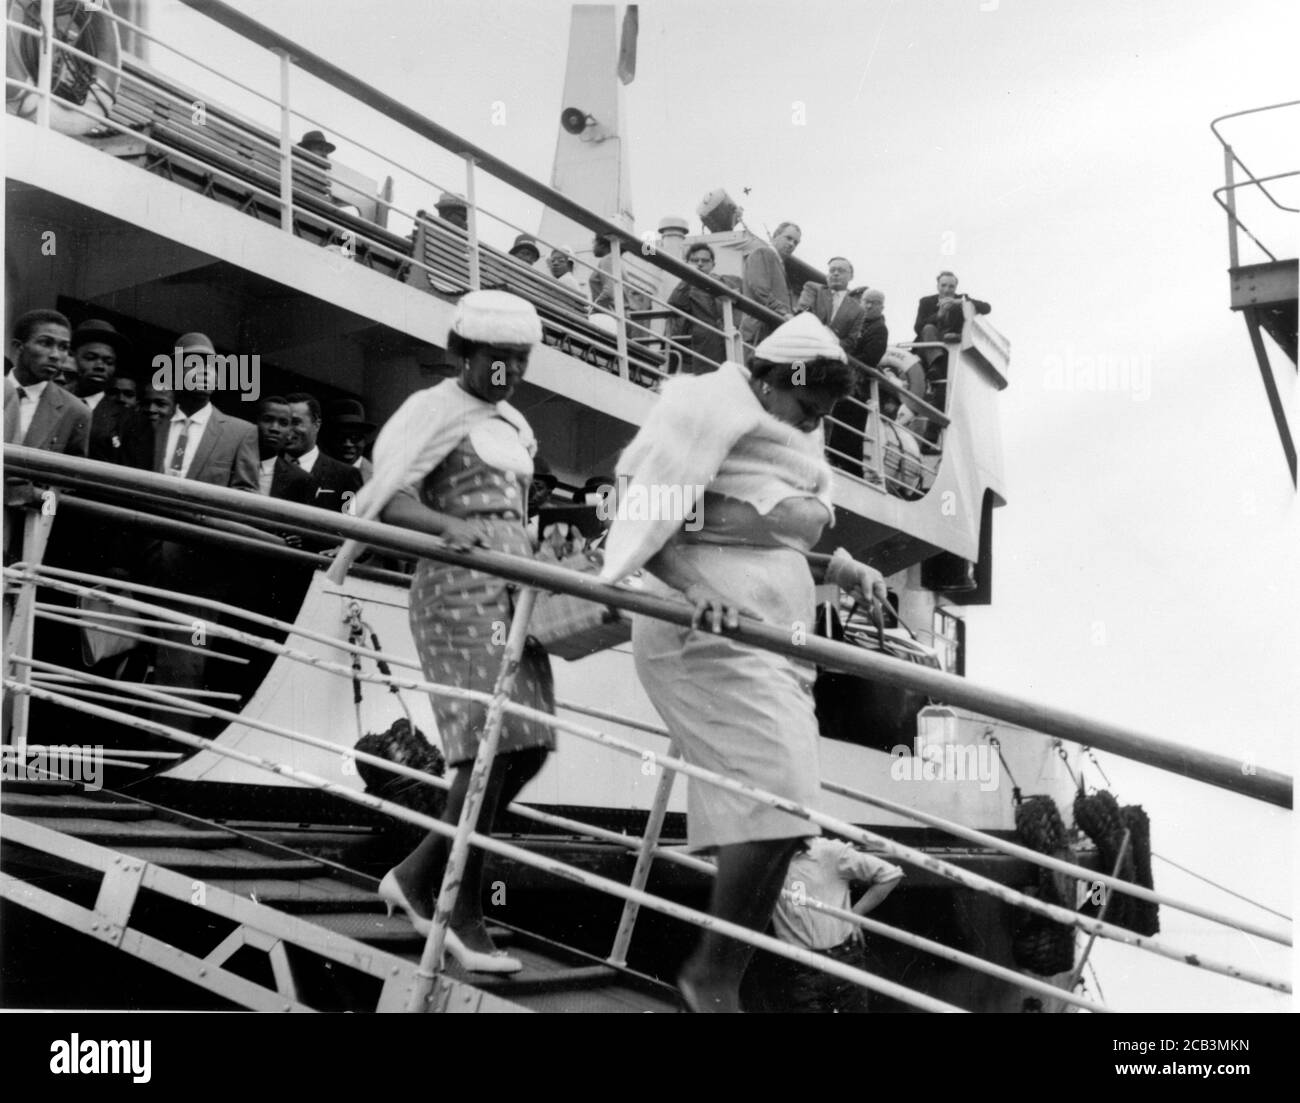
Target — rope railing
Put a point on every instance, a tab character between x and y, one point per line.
667	762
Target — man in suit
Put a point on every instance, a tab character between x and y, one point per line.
708	349
765	280
336	483
346	433
941	318
277	477
868	344
38	412
96	350
832	303
201	443
941	315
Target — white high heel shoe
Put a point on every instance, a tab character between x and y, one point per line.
474	961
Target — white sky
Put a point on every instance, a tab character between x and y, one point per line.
1057	155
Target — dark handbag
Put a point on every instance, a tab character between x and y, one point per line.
859	710
572	627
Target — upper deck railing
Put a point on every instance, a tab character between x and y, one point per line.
28	677
273	179
1227	198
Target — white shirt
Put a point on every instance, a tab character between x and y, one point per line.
198	422
308	460
95	399
27	405
824	873
837	298
265	476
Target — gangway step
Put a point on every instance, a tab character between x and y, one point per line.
228	863
311	895
32	804
125	833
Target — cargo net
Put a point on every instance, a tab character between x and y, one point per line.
71	77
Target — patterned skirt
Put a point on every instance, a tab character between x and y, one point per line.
459	619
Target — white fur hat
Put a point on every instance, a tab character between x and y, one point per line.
496	318
803	337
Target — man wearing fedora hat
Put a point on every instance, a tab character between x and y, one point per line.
314	141
346	432
97	350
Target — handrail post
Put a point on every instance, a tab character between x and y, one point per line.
732	338
644	861
286	145
620	316
1073	982
1231	198
471	226
45	65
20	625
469	813
876	420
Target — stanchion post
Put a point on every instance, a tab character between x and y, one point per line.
644	860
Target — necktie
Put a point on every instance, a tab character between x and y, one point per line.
178	453
292	461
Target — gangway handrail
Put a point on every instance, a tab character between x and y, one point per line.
64	580
1263	784
1236	219
839	827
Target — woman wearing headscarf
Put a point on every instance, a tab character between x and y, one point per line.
745	450
455	461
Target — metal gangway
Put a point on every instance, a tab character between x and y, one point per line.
421	982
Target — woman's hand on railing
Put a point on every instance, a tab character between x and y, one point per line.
712	610
462	535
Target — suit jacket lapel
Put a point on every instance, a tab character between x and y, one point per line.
13	420
45	417
206	442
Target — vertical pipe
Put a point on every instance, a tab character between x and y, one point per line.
734	353
45	64
471	204
478	779
877	435
20	627
620	304
1072	983
1231	197
644	860
286	146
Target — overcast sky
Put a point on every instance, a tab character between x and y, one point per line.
1057	155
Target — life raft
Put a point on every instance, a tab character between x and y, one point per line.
74	79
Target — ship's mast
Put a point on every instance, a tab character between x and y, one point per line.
591	153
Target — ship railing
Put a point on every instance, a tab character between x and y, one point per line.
28	677
352	237
1226	196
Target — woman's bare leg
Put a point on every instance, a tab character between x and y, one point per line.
420	872
748	884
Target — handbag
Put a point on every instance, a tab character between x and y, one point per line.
572	627
97	645
858	710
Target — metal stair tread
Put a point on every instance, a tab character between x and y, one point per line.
237	862
30	804
127	832
310	894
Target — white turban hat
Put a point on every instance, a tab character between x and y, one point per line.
802	338
496	318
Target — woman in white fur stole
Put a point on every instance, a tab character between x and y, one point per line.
744	450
